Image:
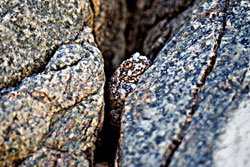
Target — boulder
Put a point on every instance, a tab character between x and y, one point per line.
54	117
51	84
153	23
32	31
187	102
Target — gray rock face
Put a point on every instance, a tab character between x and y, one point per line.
58	111
155	22
191	107
54	111
31	31
164	29
184	103
233	146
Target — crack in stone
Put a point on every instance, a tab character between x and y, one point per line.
177	139
15	83
158	19
50	53
244	75
42	141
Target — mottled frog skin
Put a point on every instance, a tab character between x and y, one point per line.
123	82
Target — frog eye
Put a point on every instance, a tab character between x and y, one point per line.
128	65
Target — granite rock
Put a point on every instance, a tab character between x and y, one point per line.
31	32
152	23
54	116
233	146
188	100
51	83
164	29
223	100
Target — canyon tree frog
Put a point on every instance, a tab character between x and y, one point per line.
123	82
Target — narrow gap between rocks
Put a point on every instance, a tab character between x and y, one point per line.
106	144
179	137
144	29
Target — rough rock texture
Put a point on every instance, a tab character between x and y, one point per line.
166	27
54	111
191	107
187	100
223	96
233	145
152	23
60	110
31	31
109	26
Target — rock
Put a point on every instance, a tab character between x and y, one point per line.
31	32
165	28
52	78
54	117
52	157
152	23
187	102
233	146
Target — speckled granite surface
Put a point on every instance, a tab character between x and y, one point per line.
166	28
52	79
221	100
191	107
233	145
31	31
186	98
152	23
60	109
54	115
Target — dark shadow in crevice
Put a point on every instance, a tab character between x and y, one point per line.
108	138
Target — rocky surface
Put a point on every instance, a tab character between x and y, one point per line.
188	100
32	31
59	111
51	84
165	28
152	23
233	146
191	107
